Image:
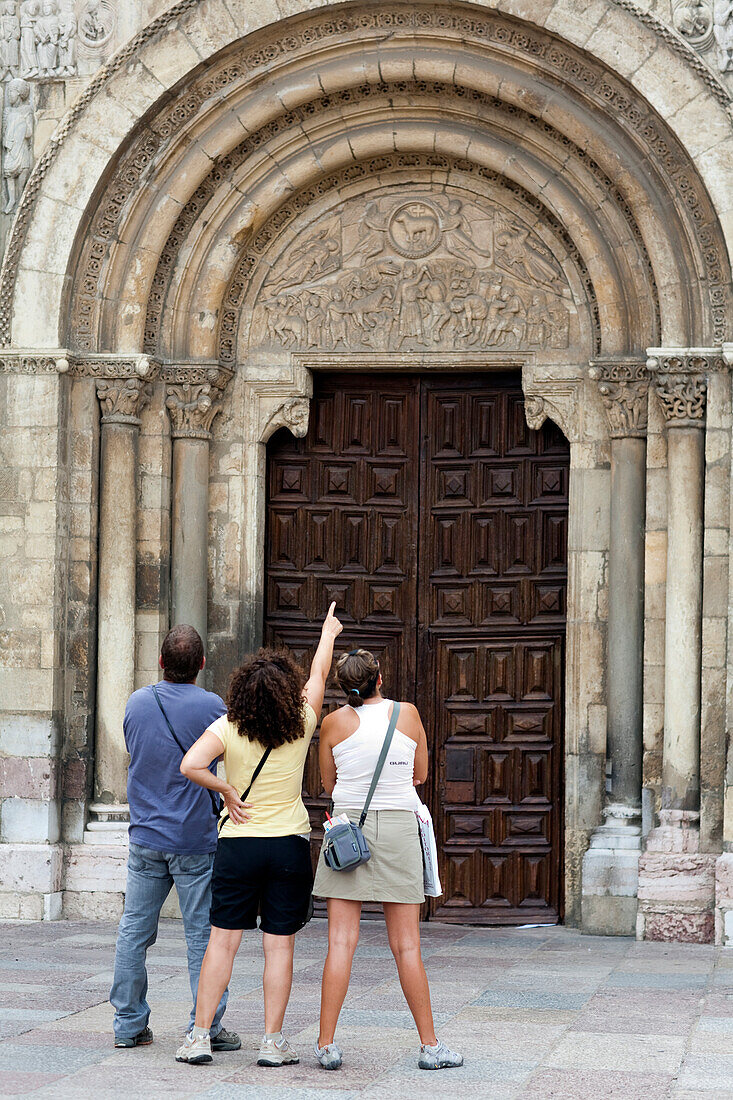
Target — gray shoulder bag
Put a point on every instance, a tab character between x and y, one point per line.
345	846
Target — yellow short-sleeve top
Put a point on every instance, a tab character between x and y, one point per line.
276	804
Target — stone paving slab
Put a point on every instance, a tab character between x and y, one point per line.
539	1013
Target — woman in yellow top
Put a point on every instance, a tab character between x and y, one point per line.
262	861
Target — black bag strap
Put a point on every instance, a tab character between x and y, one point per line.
212	795
380	762
255	773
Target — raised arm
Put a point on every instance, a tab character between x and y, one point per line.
321	663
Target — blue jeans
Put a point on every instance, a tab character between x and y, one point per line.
150	876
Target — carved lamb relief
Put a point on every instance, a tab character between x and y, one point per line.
413	271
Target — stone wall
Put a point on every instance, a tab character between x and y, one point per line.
627	294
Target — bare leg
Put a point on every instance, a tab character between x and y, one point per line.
403	930
343	936
216	971
277	978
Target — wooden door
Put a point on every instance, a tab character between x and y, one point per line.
492	580
437	520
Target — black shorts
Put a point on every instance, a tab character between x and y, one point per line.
269	875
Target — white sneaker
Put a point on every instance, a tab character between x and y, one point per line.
276	1052
329	1056
195	1051
439	1057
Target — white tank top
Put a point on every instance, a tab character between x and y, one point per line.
356	758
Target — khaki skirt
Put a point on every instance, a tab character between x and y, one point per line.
394	872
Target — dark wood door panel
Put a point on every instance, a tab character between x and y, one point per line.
437	520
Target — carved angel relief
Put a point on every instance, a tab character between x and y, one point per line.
411	272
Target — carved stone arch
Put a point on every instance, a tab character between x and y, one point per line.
190	34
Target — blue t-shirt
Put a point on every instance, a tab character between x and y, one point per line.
168	812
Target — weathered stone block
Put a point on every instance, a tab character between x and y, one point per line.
29	820
92	868
99	905
677	878
676	926
23	777
17	906
27	735
30	868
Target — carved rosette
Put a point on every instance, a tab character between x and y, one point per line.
193	394
680	380
624	388
123	399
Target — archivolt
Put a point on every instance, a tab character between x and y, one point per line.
547	87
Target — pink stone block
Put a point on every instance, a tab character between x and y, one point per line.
677	878
724	878
676	927
27	777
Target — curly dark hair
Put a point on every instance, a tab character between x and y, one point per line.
265	698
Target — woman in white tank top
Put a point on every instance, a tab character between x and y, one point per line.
351	740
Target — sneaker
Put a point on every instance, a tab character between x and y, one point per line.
276	1052
329	1056
195	1051
438	1057
225	1040
143	1039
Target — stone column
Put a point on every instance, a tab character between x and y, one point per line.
676	881
122	400
611	864
193	399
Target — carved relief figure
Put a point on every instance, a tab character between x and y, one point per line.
409	273
96	24
692	19
9	40
17	135
29	11
723	31
47	38
67	44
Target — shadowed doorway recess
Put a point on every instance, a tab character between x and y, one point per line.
437	520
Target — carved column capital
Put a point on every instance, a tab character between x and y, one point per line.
193	393
681	381
123	399
624	387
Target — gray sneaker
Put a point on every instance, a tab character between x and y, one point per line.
195	1051
226	1040
329	1056
438	1057
276	1052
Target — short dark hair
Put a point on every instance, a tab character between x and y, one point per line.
182	654
265	698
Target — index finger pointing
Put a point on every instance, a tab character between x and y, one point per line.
332	608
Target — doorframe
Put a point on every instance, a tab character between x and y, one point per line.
277	396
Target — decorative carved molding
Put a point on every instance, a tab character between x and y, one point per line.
273	403
624	387
555	399
227	166
114	366
123	399
31	361
680	380
193	397
591	78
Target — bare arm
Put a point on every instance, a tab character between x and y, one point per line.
326	761
195	766
411	725
321	663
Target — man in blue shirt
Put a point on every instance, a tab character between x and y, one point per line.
172	834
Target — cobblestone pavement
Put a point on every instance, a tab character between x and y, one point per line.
538	1012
